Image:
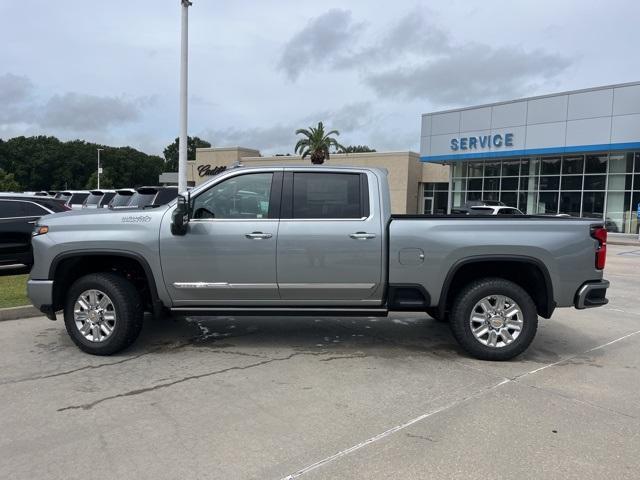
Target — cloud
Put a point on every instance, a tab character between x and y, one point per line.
281	138
83	112
14	89
474	73
414	58
318	42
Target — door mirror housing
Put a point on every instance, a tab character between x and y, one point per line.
180	216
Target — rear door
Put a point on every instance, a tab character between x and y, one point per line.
17	218
330	239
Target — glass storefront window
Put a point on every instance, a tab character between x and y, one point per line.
550	166
570	203
492	183
509	183
549	183
596	164
618	211
475	169
621	163
620	182
548	202
594	182
511	168
492	169
475	184
572	182
459	169
509	198
593	204
474	196
635	200
573	165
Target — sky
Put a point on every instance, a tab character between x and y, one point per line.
108	71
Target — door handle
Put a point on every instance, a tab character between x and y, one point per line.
258	236
362	235
33	222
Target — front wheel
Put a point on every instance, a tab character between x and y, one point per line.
103	313
494	319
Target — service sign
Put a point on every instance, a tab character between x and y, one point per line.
482	142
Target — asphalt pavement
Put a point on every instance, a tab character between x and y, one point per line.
328	398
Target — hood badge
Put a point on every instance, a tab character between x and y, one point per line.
136	219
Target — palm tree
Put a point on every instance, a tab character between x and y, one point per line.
316	143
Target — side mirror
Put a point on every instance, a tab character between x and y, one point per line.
180	216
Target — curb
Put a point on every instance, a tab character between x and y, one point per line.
15	313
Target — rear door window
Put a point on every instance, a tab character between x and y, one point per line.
328	196
32	210
10	209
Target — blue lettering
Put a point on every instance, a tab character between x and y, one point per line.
472	142
454	144
497	140
508	139
463	143
484	141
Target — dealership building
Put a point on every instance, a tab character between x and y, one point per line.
575	153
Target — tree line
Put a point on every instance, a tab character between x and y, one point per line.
46	163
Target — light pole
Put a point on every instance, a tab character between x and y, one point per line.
99	169
184	62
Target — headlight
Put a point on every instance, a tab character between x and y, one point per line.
40	230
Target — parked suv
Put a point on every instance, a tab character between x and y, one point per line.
18	215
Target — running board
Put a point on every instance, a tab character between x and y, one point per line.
279	311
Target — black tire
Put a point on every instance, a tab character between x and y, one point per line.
468	298
126	303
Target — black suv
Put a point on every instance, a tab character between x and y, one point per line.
18	215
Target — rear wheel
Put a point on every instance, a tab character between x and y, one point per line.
494	319
103	313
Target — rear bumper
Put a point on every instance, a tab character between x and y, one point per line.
40	292
592	294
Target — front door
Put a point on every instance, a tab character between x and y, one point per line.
228	255
428	205
330	240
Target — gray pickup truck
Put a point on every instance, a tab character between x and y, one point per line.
312	241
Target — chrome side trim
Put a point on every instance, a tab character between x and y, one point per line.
223	285
328	286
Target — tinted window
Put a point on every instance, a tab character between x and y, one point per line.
141	199
327	195
78	198
10	209
482	211
243	196
509	211
121	199
106	198
93	199
32	210
165	195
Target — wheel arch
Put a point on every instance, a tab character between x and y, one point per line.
67	267
528	272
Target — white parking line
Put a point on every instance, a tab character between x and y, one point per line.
392	430
397	428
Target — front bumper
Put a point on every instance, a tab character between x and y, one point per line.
40	292
592	294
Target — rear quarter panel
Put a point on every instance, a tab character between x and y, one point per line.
564	246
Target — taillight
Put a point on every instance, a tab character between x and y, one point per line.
600	234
